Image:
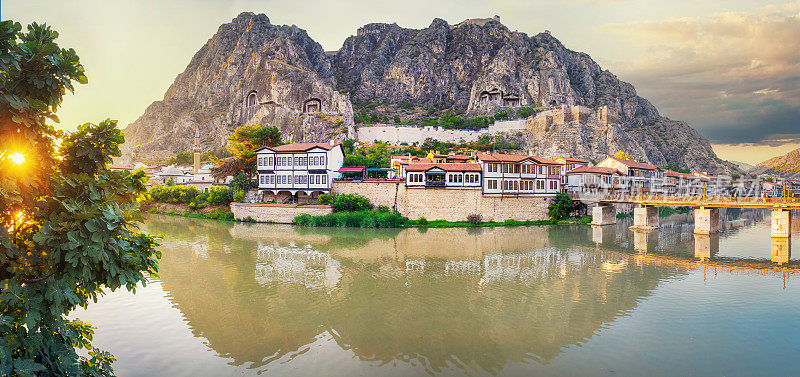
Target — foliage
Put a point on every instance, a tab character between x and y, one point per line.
218	195
376	156
228	167
242	144
173	194
326	199
363	219
382	208
348	146
242	182
674	167
422	221
624	215
350	203
238	195
474	218
561	207
67	225
623	155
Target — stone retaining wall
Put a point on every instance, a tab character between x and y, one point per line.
276	213
452	204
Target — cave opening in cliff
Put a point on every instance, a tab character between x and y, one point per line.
312	105
251	99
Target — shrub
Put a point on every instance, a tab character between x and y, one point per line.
173	194
238	196
474	218
383	208
511	222
422	221
219	195
242	182
326	199
365	219
561	207
351	203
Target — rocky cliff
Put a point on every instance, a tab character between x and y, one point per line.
787	165
476	67
250	71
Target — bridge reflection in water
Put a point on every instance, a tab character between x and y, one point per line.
440	298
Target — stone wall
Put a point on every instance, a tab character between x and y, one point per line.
453	204
276	213
395	134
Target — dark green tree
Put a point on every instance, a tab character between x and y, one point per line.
68	225
561	207
245	140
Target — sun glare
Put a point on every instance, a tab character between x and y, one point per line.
17	158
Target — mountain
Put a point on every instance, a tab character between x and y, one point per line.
743	166
787	165
250	71
472	68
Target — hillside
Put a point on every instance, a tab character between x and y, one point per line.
787	165
473	68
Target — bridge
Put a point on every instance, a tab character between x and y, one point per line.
706	213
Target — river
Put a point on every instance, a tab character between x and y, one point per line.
237	299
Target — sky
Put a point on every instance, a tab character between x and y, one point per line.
730	68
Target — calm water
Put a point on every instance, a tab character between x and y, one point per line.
251	299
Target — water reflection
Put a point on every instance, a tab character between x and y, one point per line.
444	298
706	246
781	250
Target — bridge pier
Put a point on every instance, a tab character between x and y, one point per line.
781	223
645	217
706	220
604	214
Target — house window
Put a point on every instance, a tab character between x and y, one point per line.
324	179
270	161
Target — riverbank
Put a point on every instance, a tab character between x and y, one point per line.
220	212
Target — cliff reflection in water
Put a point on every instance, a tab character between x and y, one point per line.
475	298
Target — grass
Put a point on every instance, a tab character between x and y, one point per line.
374	219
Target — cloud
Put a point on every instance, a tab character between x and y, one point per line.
734	75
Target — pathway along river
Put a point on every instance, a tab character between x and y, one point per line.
249	299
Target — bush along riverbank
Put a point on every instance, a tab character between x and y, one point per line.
190	202
353	210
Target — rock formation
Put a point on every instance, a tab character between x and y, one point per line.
250	71
474	68
787	165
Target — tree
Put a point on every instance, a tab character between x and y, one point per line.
623	155
561	207
246	139
68	224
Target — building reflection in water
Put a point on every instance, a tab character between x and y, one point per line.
259	293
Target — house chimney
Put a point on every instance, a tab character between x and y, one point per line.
530	152
333	142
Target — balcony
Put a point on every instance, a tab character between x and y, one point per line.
435	184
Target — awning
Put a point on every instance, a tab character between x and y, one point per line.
351	169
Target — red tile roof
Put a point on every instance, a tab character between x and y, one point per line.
635	164
446	166
499	157
300	147
670	173
573	159
594	169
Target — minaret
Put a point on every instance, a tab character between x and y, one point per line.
196	149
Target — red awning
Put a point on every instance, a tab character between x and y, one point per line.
352	169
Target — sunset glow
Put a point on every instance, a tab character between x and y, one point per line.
17	158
